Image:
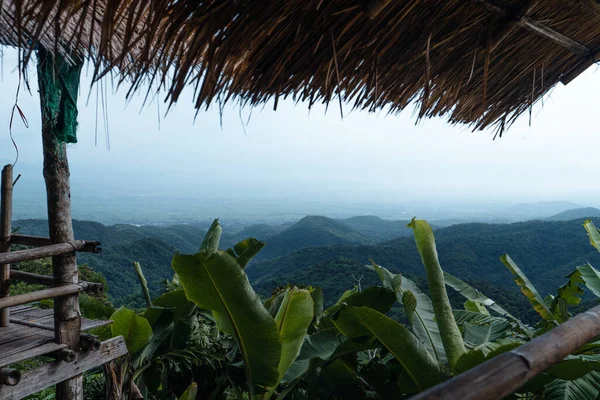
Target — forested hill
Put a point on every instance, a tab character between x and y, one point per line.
154	246
576	213
545	251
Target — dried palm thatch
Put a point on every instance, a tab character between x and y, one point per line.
478	62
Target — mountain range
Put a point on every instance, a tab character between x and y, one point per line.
332	253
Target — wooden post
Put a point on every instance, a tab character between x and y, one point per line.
56	80
5	232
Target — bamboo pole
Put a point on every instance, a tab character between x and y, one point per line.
42	252
50	293
504	374
37	241
93	287
5	232
52	76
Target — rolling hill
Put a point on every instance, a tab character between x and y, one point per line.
577	213
311	231
546	251
376	228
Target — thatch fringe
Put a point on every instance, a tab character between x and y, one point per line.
471	61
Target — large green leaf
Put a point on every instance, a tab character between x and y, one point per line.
472	294
215	281
319	345
462	316
476	335
593	233
569	294
449	332
420	315
93	308
212	238
293	319
591	278
136	330
528	289
190	393
184	316
375	297
162	327
584	388
476	306
575	366
361	323
245	250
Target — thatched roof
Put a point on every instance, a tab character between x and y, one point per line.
478	62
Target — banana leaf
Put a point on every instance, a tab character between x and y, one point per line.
190	393
584	388
528	289
591	278
593	233
212	238
136	330
245	250
214	281
476	335
293	319
362	323
421	316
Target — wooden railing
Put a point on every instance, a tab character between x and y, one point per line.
504	374
41	248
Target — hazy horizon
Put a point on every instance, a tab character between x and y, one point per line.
367	162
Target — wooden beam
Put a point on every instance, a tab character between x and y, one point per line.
37	241
521	19
50	293
51	374
58	84
580	68
5	232
562	40
93	287
42	252
504	374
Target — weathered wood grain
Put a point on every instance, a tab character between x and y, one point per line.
46	280
53	373
58	249
38	241
502	375
5	232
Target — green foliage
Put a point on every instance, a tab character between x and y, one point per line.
363	322
528	289
216	282
135	329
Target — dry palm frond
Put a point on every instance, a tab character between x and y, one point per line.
470	61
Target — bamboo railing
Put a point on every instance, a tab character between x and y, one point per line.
504	374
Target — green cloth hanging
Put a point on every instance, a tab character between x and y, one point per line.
59	87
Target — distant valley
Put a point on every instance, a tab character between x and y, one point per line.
332	253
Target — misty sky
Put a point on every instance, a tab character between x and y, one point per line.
293	154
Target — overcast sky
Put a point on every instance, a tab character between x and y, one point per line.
293	153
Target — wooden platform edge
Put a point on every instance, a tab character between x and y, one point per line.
55	372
